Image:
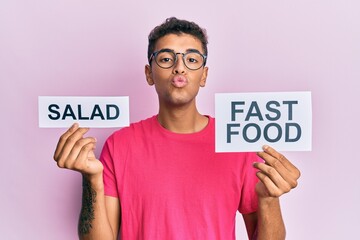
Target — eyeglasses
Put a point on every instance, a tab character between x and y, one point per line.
166	58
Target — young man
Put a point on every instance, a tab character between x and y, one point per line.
160	178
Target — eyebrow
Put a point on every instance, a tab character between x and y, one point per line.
193	50
186	51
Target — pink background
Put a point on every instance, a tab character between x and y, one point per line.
98	48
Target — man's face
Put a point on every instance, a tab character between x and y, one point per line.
177	85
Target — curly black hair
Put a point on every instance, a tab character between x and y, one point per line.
177	26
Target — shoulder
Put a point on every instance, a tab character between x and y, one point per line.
133	129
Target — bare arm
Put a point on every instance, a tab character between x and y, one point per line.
277	176
99	216
250	221
265	224
270	224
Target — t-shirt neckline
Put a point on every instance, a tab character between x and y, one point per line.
203	131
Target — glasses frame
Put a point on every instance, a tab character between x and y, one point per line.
154	54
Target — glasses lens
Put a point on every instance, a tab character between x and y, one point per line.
165	59
193	60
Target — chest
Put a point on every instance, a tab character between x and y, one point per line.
173	171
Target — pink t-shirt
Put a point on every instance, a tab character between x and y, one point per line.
174	186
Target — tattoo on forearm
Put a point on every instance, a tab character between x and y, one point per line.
87	209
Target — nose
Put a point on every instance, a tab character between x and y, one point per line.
179	66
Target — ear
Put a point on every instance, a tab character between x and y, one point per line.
204	77
148	74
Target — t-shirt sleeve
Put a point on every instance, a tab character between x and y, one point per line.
106	157
249	200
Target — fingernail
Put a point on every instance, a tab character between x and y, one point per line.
265	147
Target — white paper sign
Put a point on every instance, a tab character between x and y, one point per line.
247	121
96	112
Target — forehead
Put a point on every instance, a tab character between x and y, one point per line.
179	43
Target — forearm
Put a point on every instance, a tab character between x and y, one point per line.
270	224
93	220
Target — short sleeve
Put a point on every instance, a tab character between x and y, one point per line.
106	157
249	200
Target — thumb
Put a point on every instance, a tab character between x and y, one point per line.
91	154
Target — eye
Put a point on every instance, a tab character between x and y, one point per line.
192	60
165	60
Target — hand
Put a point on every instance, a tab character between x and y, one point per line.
277	175
76	152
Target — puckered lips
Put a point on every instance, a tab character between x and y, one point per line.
179	81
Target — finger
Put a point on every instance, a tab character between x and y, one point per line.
279	162
79	145
270	187
63	139
81	162
277	165
73	156
276	160
282	185
70	142
275	154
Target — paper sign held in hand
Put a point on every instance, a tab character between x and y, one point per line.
96	112
247	121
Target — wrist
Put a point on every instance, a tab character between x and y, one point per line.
265	202
96	181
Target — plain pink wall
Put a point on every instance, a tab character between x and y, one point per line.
98	48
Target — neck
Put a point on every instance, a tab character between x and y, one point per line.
185	119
